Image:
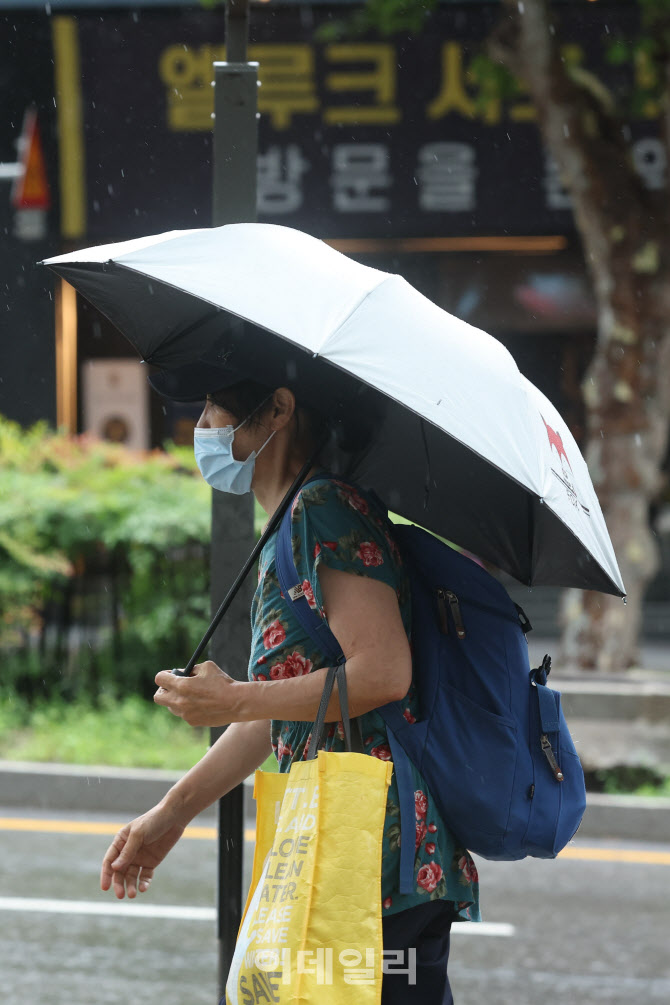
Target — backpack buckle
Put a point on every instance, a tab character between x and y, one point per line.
540	674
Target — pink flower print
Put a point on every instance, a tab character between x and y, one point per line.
432	827
392	545
408	715
327	544
420	834
468	868
261	676
429	876
283	749
295	665
383	752
357	501
430	848
387	903
274	635
309	595
370	553
420	804
261	660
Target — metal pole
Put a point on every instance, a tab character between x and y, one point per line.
234	201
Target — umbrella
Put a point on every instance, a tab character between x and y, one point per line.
464	445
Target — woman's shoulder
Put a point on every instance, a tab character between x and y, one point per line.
331	493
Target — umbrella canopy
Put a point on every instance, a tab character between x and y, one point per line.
466	446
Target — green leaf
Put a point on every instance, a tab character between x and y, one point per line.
619	52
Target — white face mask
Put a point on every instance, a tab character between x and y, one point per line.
214	456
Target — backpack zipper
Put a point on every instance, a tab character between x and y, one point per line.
442	611
445	599
549	754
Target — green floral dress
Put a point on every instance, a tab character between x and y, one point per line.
334	523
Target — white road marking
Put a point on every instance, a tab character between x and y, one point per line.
499	928
172	912
168	912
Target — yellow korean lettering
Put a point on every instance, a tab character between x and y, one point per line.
379	78
187	74
452	96
288	83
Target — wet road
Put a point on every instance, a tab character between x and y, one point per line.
593	926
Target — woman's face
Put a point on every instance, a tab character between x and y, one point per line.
247	437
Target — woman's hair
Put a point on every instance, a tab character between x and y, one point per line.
345	438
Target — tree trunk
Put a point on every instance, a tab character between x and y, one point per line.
625	235
627	395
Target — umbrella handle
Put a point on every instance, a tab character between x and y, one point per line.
269	530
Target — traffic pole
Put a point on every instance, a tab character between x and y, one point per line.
235	145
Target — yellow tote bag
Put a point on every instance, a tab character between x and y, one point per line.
312	929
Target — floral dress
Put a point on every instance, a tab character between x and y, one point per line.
335	523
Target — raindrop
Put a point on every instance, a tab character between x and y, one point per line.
566	131
602	435
123	173
136	16
54	101
521	8
47	9
638	440
110	189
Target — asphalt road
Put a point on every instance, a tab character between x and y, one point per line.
593	926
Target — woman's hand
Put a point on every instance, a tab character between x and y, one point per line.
137	849
209	697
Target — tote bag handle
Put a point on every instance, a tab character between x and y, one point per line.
355	746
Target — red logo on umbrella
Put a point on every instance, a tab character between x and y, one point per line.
556	441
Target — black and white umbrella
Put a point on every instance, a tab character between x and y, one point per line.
465	445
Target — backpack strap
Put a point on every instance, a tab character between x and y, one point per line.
403	774
291	587
321	634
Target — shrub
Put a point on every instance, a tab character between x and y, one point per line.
104	562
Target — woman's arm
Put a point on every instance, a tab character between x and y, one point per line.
239	751
139	847
364	616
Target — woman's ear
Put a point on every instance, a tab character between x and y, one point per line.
283	407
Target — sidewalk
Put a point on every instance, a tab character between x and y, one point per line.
63	788
613	720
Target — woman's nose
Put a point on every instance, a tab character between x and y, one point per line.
203	421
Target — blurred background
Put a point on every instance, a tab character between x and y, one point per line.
393	131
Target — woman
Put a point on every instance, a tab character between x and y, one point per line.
352	574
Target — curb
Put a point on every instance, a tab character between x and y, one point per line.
130	791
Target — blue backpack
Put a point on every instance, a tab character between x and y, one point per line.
491	740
